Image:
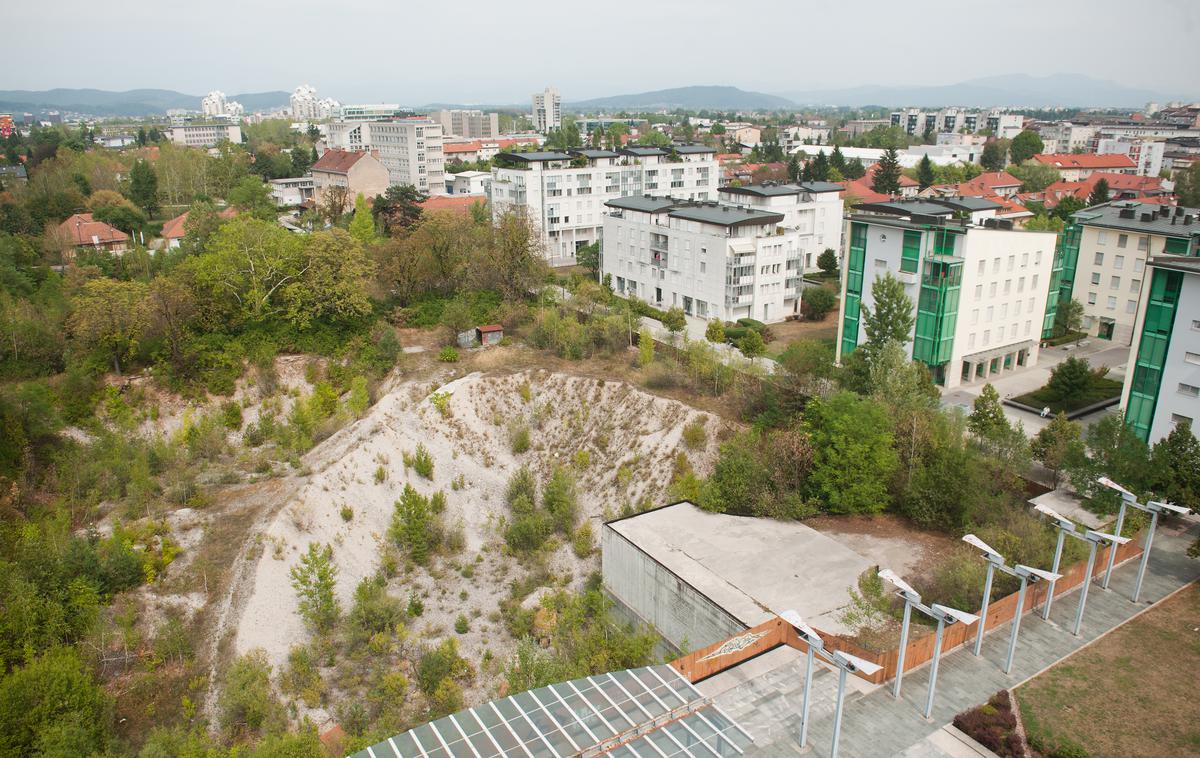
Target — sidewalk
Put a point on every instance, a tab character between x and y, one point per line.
875	724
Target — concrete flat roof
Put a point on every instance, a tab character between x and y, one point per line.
753	568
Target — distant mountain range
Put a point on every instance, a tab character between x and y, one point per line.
693	98
136	102
1021	90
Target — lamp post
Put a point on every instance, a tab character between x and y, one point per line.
1127	498
845	664
1026	574
1093	539
940	613
1154	508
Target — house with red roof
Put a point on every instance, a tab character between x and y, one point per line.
999	183
908	187
174	230
82	232
1075	167
359	171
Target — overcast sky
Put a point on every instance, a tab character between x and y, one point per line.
419	51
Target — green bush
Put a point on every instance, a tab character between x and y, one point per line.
461	625
421	461
694	435
518	437
560	500
53	706
448	355
583	542
754	324
247	704
231	414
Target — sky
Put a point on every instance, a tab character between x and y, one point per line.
483	51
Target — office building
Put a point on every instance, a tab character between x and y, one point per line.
547	110
1162	383
373	112
978	285
205	135
915	121
1104	254
410	148
469	124
565	193
711	259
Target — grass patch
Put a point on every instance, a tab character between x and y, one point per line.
1065	339
1099	389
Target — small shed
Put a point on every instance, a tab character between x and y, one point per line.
489	334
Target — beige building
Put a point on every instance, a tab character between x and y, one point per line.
1110	244
359	172
469	124
411	151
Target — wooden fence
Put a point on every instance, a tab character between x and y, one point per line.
757	640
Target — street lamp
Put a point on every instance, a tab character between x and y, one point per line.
943	615
845	664
1154	508
1094	539
1027	575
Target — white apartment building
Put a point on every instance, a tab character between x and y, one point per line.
710	259
565	193
306	107
915	121
978	286
791	137
813	210
1105	250
410	148
1066	137
468	123
292	192
1162	383
215	105
1147	154
468	182
547	110
205	135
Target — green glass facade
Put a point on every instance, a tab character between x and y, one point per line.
1152	350
937	314
1062	275
1176	246
854	286
910	255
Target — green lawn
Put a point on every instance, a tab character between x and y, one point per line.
1101	388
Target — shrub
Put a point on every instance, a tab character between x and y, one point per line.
415	606
518	437
694	435
247	703
347	513
302	677
422	462
448	355
461	625
752	345
817	302
583	542
380	474
525	391
441	401
414	527
582	459
560	500
231	414
521	484
439	665
53	706
315	578
715	331
645	348
754	324
528	527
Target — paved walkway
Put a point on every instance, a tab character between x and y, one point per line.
874	724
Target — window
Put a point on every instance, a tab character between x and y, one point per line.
1004	310
703	265
1020	285
1193	358
1091	298
987	336
996	266
982	268
1007	286
971	340
978	291
1101	237
1112	303
1099	260
1131	306
911	252
1143	243
1190	390
1037	258
975	316
1000	334
1095	277
1114	283
1135	286
1179	418
991	311
1196	324
1122	240
1012	261
1024	260
1028	326
992	289
1138	265
1119	262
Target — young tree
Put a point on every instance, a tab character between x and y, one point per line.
887	173
987	420
674	321
588	256
333	282
1034	176
715	331
817	302
820	167
1057	444
362	226
110	316
1068	317
892	317
1176	464
795	171
143	186
854	169
1025	145
53	706
1070	379
925	176
751	344
645	347
1068	207
1099	194
398	208
315	580
837	161
827	261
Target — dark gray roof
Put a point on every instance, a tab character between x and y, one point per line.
966	203
537	156
822	186
693	149
724	215
905	208
590	153
642	203
642	150
763	190
1109	216
17	171
1176	263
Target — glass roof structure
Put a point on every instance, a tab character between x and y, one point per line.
650	712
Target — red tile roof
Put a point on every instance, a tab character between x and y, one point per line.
987	184
452	203
504	144
1085	160
451	148
1127	181
174	229
860	189
337	161
82	228
1010	207
904	180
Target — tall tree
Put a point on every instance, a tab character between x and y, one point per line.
315	580
925	175
143	186
398	208
987	417
1099	193
253	197
820	167
891	319
110	316
995	155
1176	463
887	173
1057	443
854	169
1025	145
362	226
854	459
837	160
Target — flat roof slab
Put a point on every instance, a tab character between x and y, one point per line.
753	568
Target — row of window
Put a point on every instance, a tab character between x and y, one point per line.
986	337
1114	283
994	287
1012	262
991	311
1143	242
1119	262
1130	305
